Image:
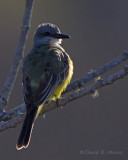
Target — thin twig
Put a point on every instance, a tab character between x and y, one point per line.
79	83
18	55
12	123
64	100
5	116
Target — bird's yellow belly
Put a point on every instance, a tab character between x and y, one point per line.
62	86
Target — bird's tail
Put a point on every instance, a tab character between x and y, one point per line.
26	130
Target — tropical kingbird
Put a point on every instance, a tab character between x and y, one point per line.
47	70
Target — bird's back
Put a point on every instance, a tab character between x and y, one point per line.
42	61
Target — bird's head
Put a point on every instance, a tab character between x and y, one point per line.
48	33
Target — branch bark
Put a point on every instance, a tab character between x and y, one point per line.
18	55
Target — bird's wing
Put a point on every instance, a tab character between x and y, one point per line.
46	87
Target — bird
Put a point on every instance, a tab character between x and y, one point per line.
47	70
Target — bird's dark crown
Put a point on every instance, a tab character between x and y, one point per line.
46	29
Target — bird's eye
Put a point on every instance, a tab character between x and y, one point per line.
47	33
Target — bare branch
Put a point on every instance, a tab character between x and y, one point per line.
18	55
99	84
11	123
79	83
5	116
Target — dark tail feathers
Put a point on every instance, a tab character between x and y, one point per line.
26	130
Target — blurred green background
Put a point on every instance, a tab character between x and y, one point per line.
99	31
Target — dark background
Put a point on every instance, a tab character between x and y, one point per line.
99	31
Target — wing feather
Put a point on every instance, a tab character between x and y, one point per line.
46	87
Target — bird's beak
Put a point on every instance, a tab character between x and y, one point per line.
60	35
